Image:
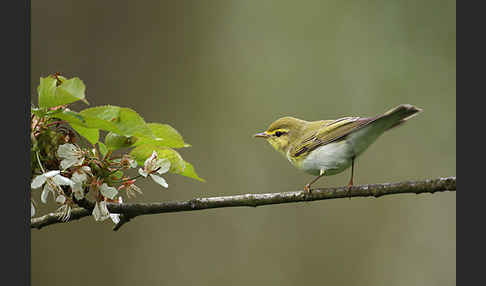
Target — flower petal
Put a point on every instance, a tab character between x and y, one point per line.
52	173
78	191
61	199
107	191
163	166
86	169
100	211
79	177
132	163
38	181
159	180
149	160
71	161
62	181
67	150
45	193
142	172
115	218
71	154
32	209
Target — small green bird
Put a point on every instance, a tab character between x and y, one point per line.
328	147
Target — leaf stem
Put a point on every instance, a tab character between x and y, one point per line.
56	122
39	161
126	180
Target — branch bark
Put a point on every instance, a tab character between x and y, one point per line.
130	211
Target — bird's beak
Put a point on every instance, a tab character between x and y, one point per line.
261	135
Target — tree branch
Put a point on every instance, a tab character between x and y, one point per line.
133	210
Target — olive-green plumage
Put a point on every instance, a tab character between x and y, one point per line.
328	147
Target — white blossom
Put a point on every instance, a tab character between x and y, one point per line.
128	162
116	217
32	209
48	188
78	191
107	191
100	211
81	174
132	163
61	199
79	177
71	154
52	181
155	165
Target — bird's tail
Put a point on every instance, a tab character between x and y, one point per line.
398	115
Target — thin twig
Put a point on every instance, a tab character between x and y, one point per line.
53	218
133	210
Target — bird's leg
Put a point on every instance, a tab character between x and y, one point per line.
350	184
307	187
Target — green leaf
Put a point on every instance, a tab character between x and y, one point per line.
46	90
122	120
191	173
73	117
69	91
115	141
131	123
165	135
91	134
177	166
69	116
73	90
103	149
119	120
108	113
117	175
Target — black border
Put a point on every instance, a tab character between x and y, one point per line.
471	205
15	21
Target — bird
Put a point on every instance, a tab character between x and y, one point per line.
328	147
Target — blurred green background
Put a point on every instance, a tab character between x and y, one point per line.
220	71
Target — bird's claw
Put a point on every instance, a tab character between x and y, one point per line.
348	192
307	192
307	188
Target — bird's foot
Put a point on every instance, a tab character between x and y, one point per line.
307	192
348	192
307	188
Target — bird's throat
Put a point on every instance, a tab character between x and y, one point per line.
282	146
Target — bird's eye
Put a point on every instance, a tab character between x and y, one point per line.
278	133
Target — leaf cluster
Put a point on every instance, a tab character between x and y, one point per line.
125	127
70	171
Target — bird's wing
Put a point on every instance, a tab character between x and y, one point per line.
327	132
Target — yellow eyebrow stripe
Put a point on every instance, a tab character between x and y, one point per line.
276	130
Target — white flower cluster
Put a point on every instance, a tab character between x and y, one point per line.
73	156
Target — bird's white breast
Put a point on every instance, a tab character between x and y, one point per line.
333	158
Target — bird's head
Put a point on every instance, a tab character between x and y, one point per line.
282	132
